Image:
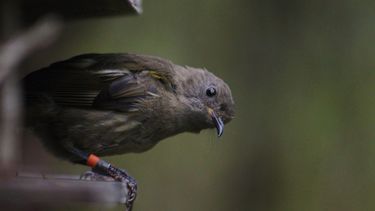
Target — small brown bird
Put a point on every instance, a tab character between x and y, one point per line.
107	104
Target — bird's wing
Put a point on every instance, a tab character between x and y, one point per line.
97	80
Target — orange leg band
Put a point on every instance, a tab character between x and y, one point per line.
92	160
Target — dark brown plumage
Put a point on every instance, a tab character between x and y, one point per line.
117	103
108	104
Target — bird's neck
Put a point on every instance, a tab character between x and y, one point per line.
187	117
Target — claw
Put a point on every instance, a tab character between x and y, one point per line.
104	168
123	176
113	173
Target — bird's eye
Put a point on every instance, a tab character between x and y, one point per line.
211	92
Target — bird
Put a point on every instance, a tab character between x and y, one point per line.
94	105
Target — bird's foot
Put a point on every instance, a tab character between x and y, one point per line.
94	176
122	176
111	173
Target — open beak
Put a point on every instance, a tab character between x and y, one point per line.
217	122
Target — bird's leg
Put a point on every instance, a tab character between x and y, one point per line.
103	167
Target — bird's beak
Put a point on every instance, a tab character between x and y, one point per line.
217	122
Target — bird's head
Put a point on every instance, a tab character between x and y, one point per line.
209	99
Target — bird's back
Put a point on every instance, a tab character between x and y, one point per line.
92	103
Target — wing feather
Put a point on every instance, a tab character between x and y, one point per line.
101	81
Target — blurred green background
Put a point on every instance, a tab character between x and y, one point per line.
303	79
